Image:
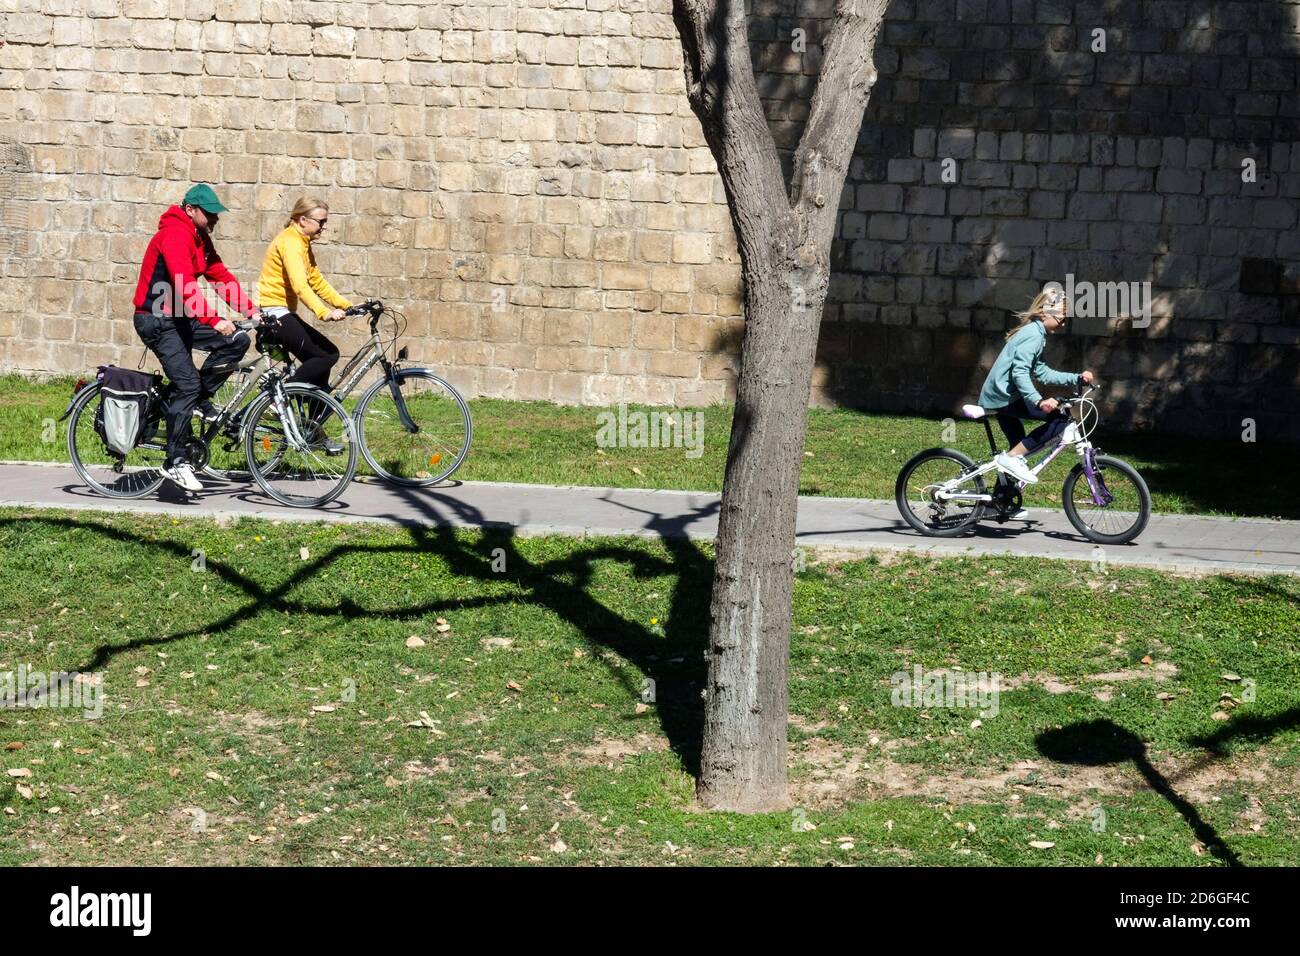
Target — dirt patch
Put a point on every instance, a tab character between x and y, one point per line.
610	749
827	774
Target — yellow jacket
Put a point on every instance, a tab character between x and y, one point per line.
289	273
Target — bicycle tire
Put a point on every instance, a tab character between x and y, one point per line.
1103	463
261	475
147	484
381	388
966	520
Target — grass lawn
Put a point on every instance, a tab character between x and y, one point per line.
270	707
848	454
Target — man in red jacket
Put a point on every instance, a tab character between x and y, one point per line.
172	316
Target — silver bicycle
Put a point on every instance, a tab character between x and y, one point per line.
293	439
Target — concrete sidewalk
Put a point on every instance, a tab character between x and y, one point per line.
1171	542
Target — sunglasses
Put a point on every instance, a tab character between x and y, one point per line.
320	222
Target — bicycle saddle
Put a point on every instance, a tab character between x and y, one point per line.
973	411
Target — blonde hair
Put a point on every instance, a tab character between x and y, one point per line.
1051	295
303	206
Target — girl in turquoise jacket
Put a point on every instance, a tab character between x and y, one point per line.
1009	390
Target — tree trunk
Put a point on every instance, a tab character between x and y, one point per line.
784	241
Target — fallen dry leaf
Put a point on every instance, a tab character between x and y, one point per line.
14	746
511	685
1041	844
1146	659
1229	676
415	641
19	772
24	791
303	554
324	708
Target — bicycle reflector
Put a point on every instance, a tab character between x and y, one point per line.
266	443
434	459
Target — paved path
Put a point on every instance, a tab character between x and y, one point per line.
1172	542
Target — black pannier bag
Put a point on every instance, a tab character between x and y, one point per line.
129	408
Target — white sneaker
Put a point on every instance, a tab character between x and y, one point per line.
1014	465
183	474
1021	515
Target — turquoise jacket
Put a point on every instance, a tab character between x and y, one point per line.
1020	362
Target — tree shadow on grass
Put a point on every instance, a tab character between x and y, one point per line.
672	660
1097	743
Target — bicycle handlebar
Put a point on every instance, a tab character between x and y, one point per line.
373	307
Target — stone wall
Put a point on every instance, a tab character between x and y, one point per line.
1122	165
526	180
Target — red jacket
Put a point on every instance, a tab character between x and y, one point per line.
176	256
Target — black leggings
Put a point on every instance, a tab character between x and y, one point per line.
314	351
1009	418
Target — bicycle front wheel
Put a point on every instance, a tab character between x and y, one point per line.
117	476
415	429
1114	508
305	457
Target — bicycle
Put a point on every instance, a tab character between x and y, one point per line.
297	442
941	492
412	426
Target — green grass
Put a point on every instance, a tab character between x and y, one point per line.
848	454
258	710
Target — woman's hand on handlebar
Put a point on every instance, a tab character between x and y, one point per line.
1086	377
336	316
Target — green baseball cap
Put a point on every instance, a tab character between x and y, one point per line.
203	197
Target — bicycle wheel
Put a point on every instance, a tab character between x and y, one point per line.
1118	512
921	477
308	461
226	458
117	476
429	443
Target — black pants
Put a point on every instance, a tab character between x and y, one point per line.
172	340
315	353
1009	418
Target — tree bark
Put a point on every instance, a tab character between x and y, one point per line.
784	241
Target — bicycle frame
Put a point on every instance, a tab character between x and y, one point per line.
1072	437
366	358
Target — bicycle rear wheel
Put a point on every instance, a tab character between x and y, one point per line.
117	476
414	431
308	460
920	479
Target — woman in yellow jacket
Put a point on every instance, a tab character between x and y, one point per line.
289	276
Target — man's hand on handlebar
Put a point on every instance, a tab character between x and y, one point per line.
225	327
